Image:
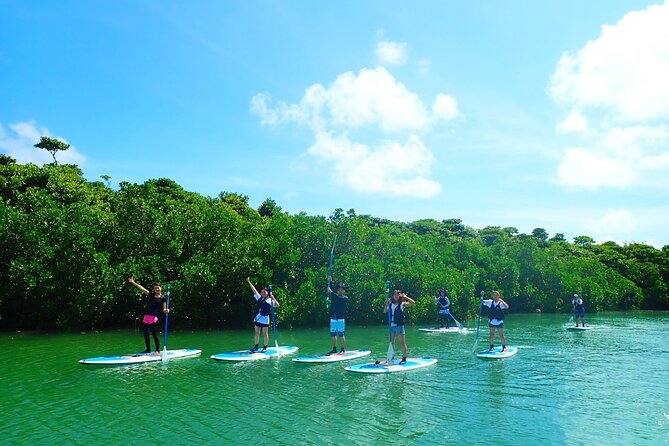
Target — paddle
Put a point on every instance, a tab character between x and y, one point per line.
391	349
167	317
330	275
478	324
460	327
276	342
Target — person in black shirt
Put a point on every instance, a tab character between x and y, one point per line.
338	317
155	306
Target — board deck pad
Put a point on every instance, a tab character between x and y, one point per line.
579	328
497	353
443	330
394	366
246	355
139	358
336	357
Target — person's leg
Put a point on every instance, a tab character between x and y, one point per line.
343	342
145	330
265	332
500	330
256	338
154	333
492	337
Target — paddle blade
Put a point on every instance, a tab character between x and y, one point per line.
391	352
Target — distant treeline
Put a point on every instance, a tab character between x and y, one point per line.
68	245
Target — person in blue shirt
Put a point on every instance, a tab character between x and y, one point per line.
579	309
266	302
496	317
338	317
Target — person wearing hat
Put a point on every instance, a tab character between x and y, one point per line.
337	317
579	309
443	304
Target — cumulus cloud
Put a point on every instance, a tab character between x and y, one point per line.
370	102
574	122
625	70
390	168
617	89
391	53
18	140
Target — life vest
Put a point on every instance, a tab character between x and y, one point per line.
443	303
398	314
578	303
496	311
263	307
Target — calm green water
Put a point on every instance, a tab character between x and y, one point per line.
606	386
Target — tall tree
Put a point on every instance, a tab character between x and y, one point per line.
52	146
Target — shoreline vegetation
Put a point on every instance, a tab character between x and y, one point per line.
68	245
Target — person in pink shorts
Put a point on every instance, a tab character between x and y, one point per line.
155	306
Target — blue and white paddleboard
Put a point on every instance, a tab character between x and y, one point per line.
497	353
336	357
394	366
443	330
579	328
245	355
139	358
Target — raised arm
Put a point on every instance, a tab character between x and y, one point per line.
131	281
407	301
252	287
385	307
505	306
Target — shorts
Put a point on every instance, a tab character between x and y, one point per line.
500	325
150	319
261	325
580	313
397	329
337	327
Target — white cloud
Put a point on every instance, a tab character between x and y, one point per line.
391	53
375	104
391	168
590	170
617	90
574	122
445	107
18	143
625	71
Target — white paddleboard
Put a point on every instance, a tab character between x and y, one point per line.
336	357
579	328
245	355
497	353
139	358
443	330
394	366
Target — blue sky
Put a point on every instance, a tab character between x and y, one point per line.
524	113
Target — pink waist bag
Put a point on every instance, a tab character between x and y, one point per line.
150	319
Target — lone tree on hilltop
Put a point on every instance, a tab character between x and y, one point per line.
52	146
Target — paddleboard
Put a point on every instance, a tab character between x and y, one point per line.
394	366
245	355
348	355
139	358
443	330
579	328
497	353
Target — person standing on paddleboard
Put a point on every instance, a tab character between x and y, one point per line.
443	304
265	302
396	304
337	317
579	309
496	318
155	306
